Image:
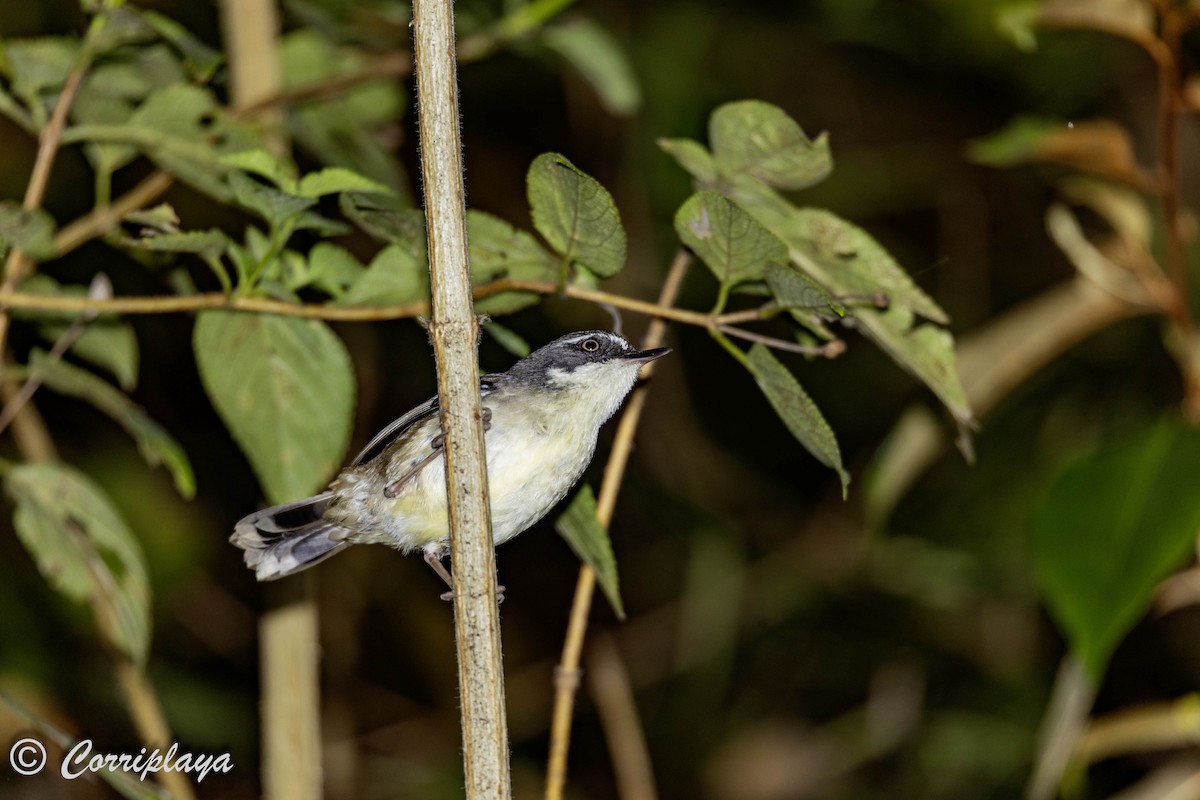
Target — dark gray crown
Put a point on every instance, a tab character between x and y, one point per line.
566	353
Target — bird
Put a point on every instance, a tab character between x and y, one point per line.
541	419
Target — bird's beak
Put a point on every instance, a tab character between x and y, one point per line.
643	356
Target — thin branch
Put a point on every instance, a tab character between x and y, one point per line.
567	673
18	264
103	219
168	304
612	692
831	349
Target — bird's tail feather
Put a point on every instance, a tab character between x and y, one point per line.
284	539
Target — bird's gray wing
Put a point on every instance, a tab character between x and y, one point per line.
377	445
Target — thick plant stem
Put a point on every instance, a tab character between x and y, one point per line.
567	675
455	332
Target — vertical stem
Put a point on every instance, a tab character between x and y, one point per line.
567	675
613	696
1166	55
290	678
455	333
289	654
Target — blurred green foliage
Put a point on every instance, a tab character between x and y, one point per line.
778	645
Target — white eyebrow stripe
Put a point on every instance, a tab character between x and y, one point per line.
595	335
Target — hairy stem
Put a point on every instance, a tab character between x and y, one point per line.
455	333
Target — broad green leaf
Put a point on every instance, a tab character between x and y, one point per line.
575	215
387	218
106	342
925	351
693	157
731	242
84	549
792	289
392	278
174	127
333	269
275	206
264	164
211	242
797	410
155	444
498	250
109	344
1112	525
856	263
332	180
112	90
31	230
805	300
589	540
285	388
37	68
750	137
601	62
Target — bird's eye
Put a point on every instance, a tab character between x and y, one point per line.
590	345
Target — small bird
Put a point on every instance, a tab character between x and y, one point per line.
540	418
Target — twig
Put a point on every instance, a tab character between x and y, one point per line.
567	674
828	350
103	219
455	333
18	264
612	693
169	304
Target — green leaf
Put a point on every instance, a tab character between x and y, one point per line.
797	410
332	180
693	157
393	277
387	218
731	242
37	68
333	269
1112	525
275	206
84	549
804	299
845	260
792	289
264	164
285	388
601	62
498	250
211	243
754	138
155	444
31	230
589	540
575	215
857	263
108	344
